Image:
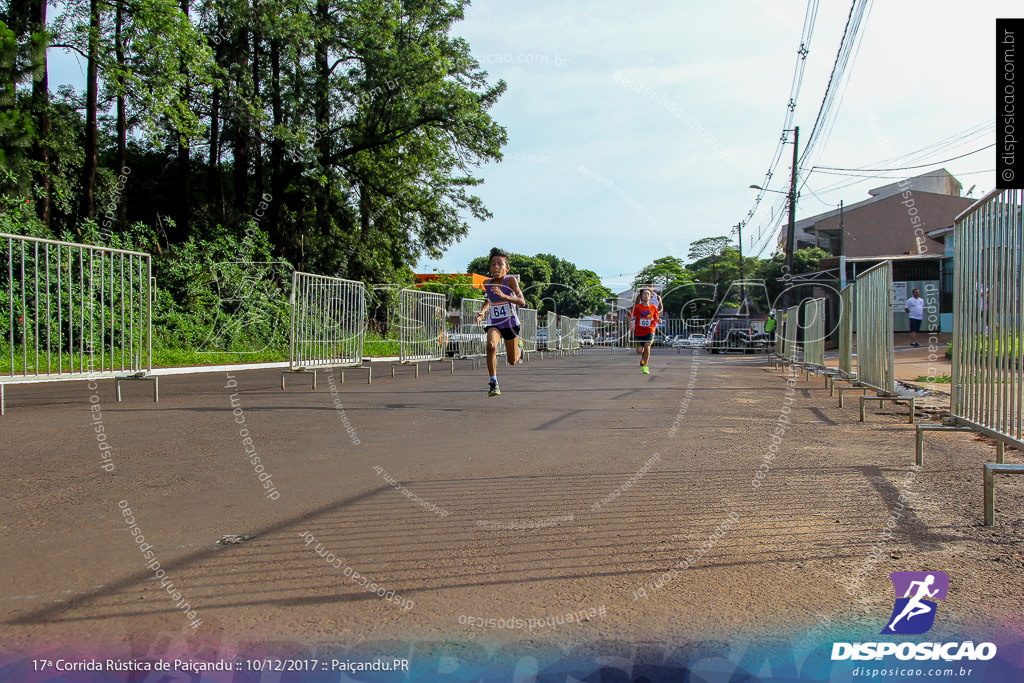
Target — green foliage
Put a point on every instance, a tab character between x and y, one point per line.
454	287
772	270
553	284
934	379
667	270
222	294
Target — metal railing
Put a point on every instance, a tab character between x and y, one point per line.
472	342
988	317
792	328
328	324
552	328
846	331
528	329
874	329
814	333
73	311
421	326
570	329
988	332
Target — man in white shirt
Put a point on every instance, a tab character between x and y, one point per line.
915	309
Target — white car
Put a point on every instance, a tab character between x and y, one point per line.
691	342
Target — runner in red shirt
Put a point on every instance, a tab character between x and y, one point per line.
646	317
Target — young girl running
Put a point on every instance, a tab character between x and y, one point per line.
503	296
646	315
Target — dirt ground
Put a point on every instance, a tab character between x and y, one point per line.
585	488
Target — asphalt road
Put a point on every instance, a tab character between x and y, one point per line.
630	501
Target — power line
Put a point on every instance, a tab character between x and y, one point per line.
902	168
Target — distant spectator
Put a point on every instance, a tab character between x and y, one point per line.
915	309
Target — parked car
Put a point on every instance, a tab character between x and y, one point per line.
694	341
729	334
586	341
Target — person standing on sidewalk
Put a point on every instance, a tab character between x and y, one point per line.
915	309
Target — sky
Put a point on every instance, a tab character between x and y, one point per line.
636	128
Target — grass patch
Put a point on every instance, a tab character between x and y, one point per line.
374	346
177	357
936	379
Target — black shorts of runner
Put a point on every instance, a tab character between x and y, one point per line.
507	333
915	325
641	339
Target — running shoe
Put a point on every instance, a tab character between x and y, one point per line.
494	390
645	370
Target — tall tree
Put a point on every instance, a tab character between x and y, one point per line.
92	88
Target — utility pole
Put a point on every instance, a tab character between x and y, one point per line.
743	285
791	228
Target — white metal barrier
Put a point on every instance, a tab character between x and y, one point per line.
421	327
875	363
528	329
791	330
472	340
570	333
552	334
814	333
74	311
874	329
328	324
988	330
846	332
988	319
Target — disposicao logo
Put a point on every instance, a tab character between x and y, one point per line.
913	612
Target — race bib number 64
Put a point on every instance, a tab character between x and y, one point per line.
499	312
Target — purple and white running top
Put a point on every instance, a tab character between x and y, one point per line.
502	313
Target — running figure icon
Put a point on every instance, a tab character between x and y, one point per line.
913	607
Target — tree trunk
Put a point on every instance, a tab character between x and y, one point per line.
322	114
122	118
214	171
240	148
88	205
184	158
41	105
276	227
257	151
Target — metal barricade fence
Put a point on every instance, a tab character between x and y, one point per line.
528	329
74	311
421	326
472	342
552	327
874	329
792	329
846	331
696	326
814	333
570	333
988	318
328	324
